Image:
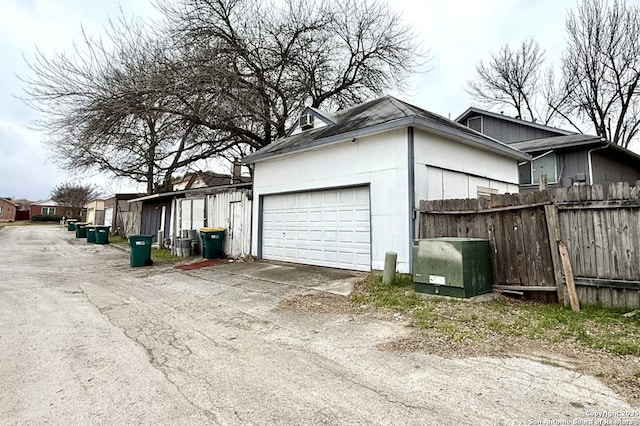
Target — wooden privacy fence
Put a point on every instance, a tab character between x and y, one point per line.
528	230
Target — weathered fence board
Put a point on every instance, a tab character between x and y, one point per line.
518	236
601	230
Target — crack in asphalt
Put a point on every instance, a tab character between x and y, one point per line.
154	360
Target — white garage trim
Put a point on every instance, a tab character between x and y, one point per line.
328	227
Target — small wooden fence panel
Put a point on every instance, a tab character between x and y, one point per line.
602	233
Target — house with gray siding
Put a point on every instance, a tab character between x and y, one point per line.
567	158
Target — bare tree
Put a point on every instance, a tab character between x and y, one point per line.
221	78
598	79
601	68
260	62
73	197
106	108
511	78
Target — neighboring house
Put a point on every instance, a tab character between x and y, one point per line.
343	188
120	215
209	179
8	210
24	209
227	206
46	207
566	158
95	212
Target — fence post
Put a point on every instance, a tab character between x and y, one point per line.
568	274
553	229
542	184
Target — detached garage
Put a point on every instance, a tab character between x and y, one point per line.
342	188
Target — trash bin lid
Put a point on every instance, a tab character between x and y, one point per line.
212	229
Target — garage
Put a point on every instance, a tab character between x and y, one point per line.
325	228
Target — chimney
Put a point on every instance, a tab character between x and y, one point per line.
237	172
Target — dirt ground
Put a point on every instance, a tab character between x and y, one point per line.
619	372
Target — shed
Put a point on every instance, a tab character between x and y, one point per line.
227	206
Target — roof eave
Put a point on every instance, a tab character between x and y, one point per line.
184	192
390	125
591	141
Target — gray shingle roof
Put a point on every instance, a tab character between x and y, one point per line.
474	110
557	142
375	116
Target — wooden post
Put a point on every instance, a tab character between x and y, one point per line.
542	183
553	229
568	275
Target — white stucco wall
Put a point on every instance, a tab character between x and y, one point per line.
443	168
446	169
379	161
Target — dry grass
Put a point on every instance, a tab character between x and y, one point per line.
597	341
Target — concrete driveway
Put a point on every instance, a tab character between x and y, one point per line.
329	280
85	339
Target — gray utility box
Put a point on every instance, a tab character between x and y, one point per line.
450	266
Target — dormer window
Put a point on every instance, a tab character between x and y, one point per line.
475	123
306	121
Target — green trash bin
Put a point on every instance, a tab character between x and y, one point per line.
71	224
91	233
81	229
212	242
140	250
102	234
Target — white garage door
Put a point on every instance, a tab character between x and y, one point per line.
324	228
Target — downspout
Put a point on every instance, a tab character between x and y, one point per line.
589	159
412	194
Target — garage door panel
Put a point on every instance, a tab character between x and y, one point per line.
325	228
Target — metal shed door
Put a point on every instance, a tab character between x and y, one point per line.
324	228
192	213
108	216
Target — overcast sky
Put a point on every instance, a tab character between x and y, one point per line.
459	34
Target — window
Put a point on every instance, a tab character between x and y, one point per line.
524	173
0	210
48	210
529	172
545	164
475	123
